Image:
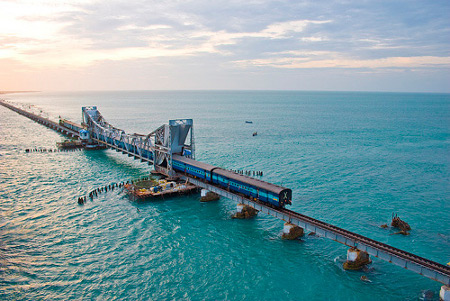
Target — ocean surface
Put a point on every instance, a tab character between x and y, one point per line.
352	159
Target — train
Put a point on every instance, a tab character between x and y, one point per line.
255	189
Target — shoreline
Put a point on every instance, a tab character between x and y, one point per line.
10	92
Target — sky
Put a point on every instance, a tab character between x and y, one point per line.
345	45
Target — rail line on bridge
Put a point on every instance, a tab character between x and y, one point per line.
42	120
157	147
409	261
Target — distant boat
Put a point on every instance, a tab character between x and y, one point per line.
248	121
255	133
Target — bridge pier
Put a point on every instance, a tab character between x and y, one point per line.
208	196
444	294
356	259
291	231
245	211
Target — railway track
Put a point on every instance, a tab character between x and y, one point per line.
443	269
40	119
425	267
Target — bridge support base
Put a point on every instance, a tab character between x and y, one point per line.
444	294
291	231
356	259
208	196
245	211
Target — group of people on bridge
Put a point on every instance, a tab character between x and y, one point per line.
248	172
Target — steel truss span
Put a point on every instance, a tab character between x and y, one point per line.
155	148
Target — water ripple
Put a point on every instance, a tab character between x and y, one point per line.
348	158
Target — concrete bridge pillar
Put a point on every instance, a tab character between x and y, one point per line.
291	231
245	211
444	294
208	196
356	259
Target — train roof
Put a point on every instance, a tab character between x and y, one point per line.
192	162
249	180
230	174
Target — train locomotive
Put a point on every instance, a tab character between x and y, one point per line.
272	194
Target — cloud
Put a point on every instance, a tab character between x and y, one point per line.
129	41
260	35
308	62
313	39
145	28
283	29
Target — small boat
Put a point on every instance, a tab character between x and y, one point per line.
248	121
255	133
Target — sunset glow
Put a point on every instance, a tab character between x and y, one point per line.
201	45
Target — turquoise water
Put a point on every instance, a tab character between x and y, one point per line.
351	159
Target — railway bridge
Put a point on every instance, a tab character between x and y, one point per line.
162	146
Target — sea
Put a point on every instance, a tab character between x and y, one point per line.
352	159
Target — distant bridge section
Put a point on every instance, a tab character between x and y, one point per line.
42	120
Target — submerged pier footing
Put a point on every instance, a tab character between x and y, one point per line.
208	196
444	294
291	231
245	211
356	259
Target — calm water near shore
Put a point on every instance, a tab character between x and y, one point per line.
352	159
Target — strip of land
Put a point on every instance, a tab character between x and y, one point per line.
8	92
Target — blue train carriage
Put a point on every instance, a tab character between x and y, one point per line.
270	193
194	168
273	194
